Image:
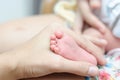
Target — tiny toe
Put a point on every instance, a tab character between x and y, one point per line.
56	49
52	47
59	34
53	37
53	42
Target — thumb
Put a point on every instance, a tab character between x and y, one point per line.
77	67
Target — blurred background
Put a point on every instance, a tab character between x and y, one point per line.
15	9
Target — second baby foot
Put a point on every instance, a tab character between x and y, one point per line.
65	46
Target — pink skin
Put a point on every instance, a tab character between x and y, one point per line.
111	40
65	46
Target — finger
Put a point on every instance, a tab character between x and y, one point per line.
88	46
77	67
89	17
95	4
78	24
97	41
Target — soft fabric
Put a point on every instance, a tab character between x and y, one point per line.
111	71
110	15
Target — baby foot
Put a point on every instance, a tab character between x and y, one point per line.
65	46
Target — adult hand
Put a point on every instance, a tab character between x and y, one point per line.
85	7
42	61
34	59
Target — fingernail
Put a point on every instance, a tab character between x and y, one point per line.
103	62
95	4
93	71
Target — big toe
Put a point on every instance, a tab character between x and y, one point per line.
58	34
